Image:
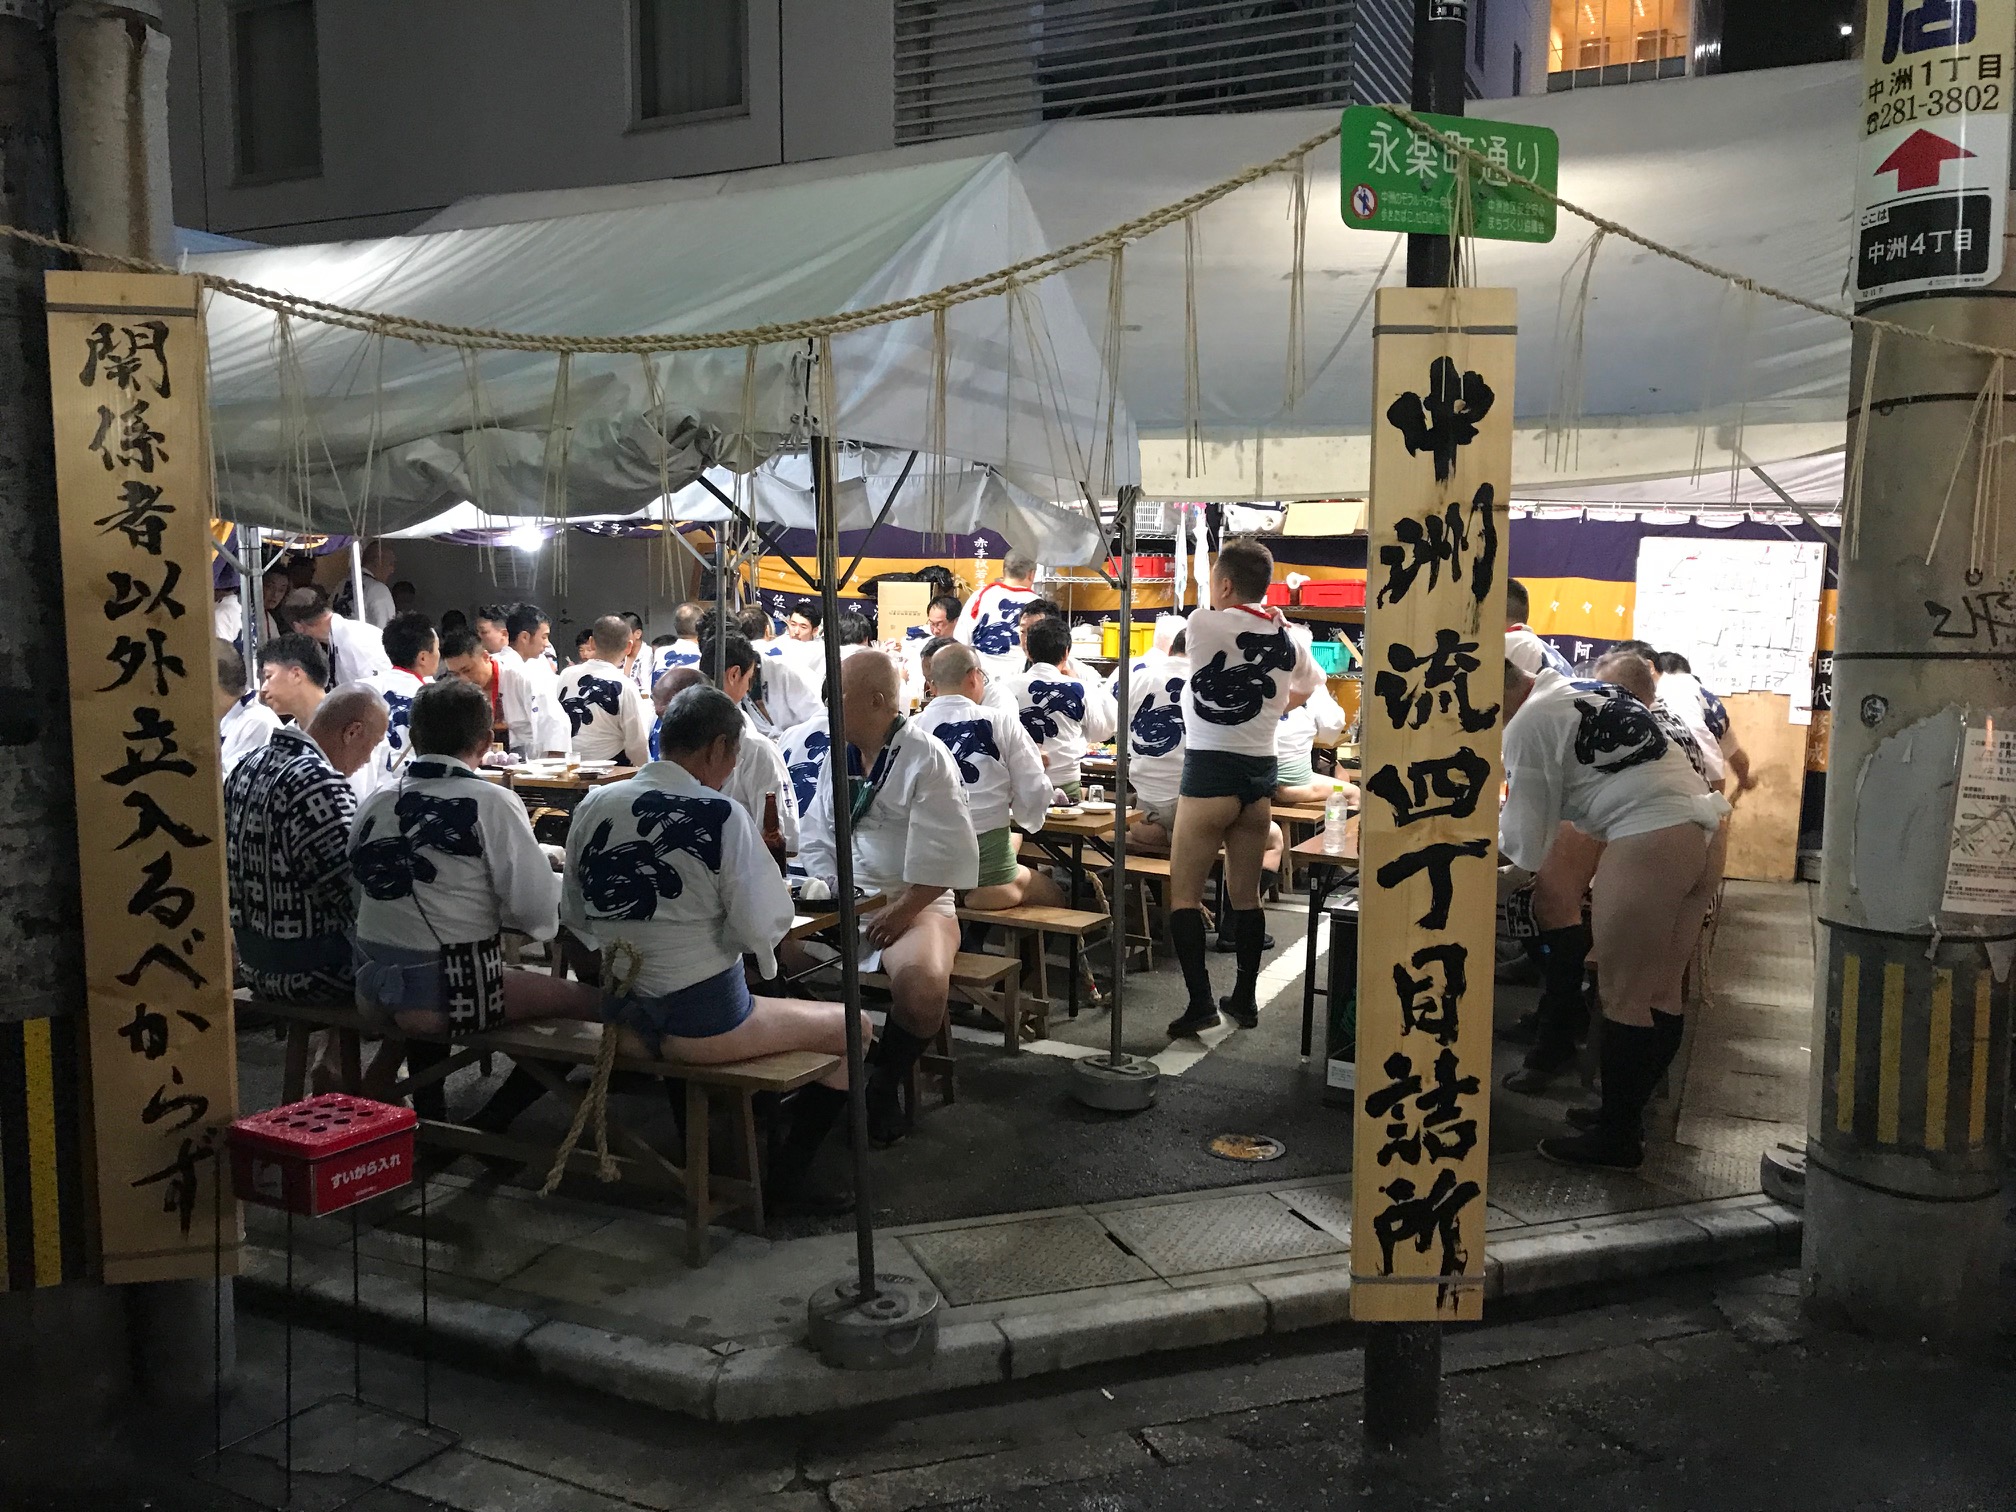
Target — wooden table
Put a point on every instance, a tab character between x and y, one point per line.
1327	872
805	925
567	782
1074	830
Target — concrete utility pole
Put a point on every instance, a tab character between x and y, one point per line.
1403	1361
68	1341
1905	1230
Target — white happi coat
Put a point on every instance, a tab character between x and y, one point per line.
1063	714
760	770
991	623
398	687
531	703
605	717
679	872
917	831
1155	731
1590	753
998	762
439	846
1245	667
804	749
247	725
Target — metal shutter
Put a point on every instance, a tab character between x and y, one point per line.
966	66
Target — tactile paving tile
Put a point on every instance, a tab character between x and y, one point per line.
994	1262
1698	1175
1184	1238
1539	1192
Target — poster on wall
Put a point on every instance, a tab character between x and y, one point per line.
1981	862
127	359
1745	614
1428	831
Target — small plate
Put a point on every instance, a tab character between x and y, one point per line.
1073	811
1092	806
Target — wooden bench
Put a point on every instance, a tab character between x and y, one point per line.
1291	816
1040	922
548	1050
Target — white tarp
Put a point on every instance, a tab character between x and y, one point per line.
953	499
318	425
1754	172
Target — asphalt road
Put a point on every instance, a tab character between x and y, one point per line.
1702	1393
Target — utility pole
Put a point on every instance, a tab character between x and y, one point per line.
68	1341
1403	1361
1905	1232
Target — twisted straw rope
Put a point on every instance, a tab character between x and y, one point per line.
983	286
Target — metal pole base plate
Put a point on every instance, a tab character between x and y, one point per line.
898	1327
1125	1085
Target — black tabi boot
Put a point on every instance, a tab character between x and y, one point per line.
811	1114
430	1101
520	1090
1249	932
1562	1018
1634	1059
896	1051
1186	939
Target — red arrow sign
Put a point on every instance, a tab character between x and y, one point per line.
1920	159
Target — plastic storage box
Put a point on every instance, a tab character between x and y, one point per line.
322	1154
1334	595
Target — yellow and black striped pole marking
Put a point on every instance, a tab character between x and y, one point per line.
42	1191
1921	1048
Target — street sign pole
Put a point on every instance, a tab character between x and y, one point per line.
1403	1361
1440	28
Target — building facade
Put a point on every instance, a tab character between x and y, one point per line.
1596	42
316	120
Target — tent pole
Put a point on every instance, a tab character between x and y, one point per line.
1117	1081
357	580
251	594
1125	509
720	668
826	520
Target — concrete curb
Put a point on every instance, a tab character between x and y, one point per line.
733	1383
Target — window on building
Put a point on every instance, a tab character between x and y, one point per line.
275	90
1477	13
692	58
1614	41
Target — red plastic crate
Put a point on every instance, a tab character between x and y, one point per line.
322	1154
1334	595
1278	593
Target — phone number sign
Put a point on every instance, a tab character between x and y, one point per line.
1931	200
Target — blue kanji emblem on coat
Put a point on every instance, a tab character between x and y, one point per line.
398	719
389	866
966	740
805	774
994	632
626	881
1048	700
1231	695
1157	728
590	694
1617	732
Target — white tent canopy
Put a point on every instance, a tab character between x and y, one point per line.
955	500
321	426
1754	172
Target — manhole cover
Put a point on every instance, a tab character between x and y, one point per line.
1248	1147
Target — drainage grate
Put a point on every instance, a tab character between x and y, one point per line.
1186	1238
996	1261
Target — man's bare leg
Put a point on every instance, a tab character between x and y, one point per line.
919	968
1202	826
1246	843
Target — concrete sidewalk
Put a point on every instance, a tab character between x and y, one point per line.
594	1292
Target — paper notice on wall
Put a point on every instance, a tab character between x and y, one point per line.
1981	866
1745	614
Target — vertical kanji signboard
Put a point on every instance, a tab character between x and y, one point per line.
127	374
1428	836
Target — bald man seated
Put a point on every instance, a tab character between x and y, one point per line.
913	846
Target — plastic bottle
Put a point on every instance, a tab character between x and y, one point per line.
1336	822
773	834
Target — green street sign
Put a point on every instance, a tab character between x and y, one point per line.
1398	179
